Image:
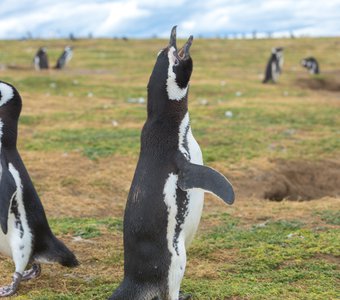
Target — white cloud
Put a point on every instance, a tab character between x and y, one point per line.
160	3
119	13
64	17
143	18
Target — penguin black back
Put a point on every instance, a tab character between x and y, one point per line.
40	60
274	66
64	58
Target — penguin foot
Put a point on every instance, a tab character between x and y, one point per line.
184	297
11	289
32	273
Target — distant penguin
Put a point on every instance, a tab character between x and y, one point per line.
311	64
165	201
64	58
274	66
40	60
24	231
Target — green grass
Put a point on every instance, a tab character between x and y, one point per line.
93	143
234	256
67	86
275	260
330	217
86	228
119	70
251	132
94	290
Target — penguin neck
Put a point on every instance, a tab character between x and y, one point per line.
1	133
161	108
8	133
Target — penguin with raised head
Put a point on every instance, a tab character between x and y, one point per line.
40	60
25	235
64	58
165	201
274	66
311	64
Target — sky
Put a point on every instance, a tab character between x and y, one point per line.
155	18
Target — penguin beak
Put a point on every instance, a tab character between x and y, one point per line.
184	53
172	42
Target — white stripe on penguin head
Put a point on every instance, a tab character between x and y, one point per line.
174	91
6	93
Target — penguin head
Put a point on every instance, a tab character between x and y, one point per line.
68	49
304	62
308	62
172	70
277	50
42	51
277	53
10	101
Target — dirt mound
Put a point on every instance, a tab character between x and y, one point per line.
303	180
292	180
329	83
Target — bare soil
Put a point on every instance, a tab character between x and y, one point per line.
298	180
327	82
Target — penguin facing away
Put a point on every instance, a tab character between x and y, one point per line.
165	201
274	66
311	64
40	60
25	235
64	58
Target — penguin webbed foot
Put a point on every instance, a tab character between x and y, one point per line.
32	273
11	289
184	296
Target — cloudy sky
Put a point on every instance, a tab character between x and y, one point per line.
147	18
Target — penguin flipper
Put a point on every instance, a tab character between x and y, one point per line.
203	177
8	189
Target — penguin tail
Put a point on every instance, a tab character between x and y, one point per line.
56	252
64	256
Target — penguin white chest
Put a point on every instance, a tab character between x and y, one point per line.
17	243
190	148
183	218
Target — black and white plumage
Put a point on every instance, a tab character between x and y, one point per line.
40	60
165	201
274	66
24	231
64	58
311	64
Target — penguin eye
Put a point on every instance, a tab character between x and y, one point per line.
176	62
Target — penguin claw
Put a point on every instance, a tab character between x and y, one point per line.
32	273
11	289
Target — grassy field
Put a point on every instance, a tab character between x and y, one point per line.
79	137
